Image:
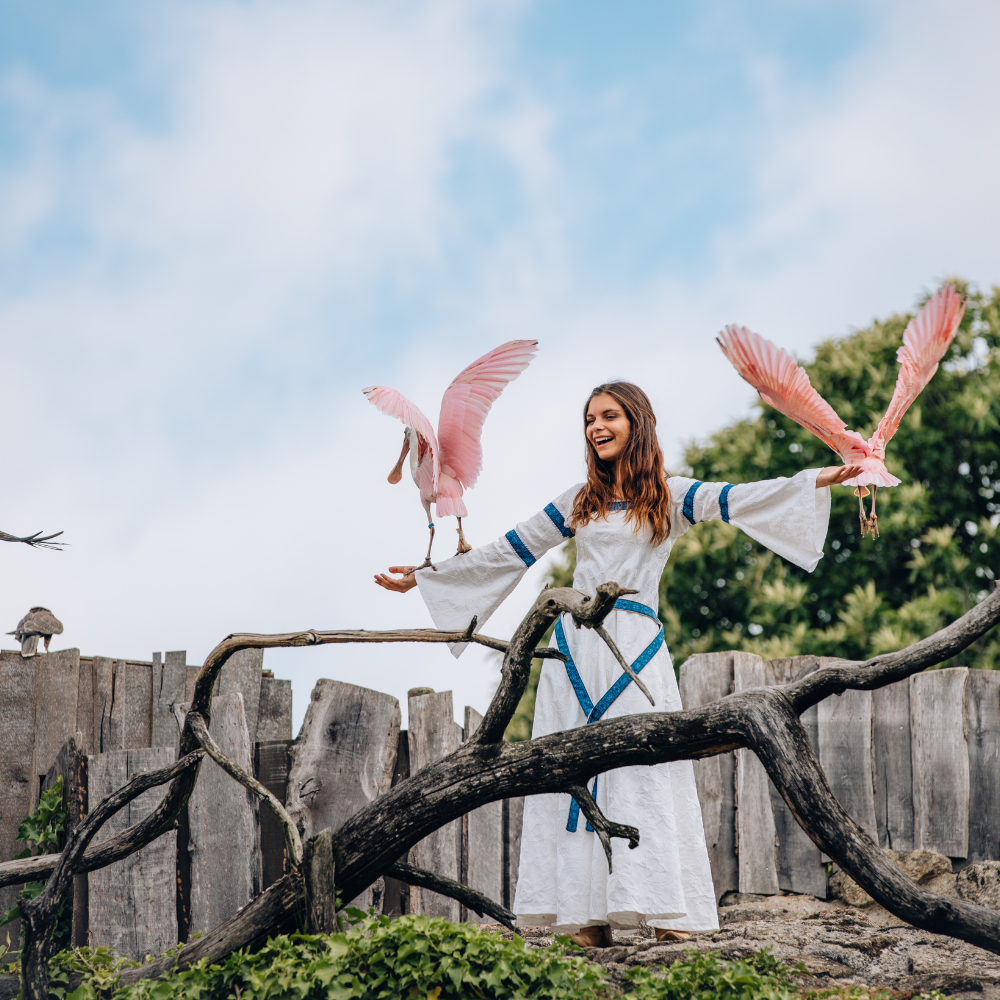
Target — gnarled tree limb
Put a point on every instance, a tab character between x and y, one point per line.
603	827
472	898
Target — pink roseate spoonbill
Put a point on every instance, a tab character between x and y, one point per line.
443	467
785	386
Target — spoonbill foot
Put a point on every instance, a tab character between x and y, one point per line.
423	565
463	545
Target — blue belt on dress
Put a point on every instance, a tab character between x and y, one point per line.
590	710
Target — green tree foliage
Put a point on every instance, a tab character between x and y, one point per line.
937	554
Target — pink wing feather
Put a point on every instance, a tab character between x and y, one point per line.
467	401
395	404
785	386
925	341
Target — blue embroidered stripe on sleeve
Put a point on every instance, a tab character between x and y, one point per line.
724	502
519	547
557	519
688	509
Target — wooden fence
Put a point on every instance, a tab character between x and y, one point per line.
916	764
96	721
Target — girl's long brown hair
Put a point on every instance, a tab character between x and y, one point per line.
643	479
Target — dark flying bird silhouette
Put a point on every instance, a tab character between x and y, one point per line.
38	623
36	541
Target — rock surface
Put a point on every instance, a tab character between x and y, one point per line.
980	884
926	868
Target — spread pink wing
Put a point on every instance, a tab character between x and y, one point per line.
925	341
785	386
467	401
395	404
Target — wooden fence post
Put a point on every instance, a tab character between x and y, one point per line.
396	897
223	830
169	689
755	832
893	766
132	905
482	842
707	677
241	673
271	766
57	684
513	821
132	705
274	713
940	752
982	694
433	733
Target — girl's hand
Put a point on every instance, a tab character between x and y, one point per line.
834	474
401	584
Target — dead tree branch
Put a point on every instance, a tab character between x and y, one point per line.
472	898
603	827
292	838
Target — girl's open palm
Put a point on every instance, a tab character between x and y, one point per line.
400	584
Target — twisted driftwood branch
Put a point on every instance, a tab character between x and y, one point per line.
472	898
40	914
292	838
603	827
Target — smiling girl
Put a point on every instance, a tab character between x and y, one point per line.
626	518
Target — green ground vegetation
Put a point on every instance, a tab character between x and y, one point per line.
937	554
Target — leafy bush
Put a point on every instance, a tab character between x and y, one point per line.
410	957
710	977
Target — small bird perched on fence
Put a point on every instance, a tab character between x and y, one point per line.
38	623
443	467
785	386
36	541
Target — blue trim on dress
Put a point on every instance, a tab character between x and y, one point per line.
620	505
724	502
688	509
558	520
519	547
590	710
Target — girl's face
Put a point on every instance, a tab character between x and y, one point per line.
607	427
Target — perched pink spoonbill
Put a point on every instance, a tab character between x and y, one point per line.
443	467
785	386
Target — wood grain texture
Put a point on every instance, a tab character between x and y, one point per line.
982	694
271	766
190	681
433	733
17	748
893	766
707	677
800	866
274	714
396	897
845	753
482	842
132	705
940	750
132	903
344	755
103	687
169	688
755	832
513	823
57	685
318	875
223	829
85	704
242	673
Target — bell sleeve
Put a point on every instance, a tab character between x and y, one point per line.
476	583
789	516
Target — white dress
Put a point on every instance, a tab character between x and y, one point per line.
666	881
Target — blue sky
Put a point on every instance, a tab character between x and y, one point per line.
220	220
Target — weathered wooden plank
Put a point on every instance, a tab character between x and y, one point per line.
169	689
513	821
940	750
57	684
396	897
71	765
800	866
190	681
242	673
223	831
893	766
103	686
982	693
85	704
755	832
845	753
344	755
271	765
17	747
132	705
274	713
133	902
707	677
482	842
433	733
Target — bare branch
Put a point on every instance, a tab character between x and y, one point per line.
603	827
603	633
292	838
472	898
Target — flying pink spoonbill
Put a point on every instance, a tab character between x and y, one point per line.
443	467
785	386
